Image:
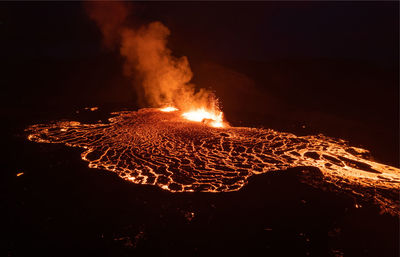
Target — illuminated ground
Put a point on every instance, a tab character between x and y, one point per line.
161	148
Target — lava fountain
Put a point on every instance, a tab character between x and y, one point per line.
213	118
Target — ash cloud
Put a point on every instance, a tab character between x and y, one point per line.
161	79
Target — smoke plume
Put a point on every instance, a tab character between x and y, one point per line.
161	79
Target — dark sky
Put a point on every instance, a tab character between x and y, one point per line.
257	31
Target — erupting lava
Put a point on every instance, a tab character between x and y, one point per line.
211	118
214	119
161	147
168	109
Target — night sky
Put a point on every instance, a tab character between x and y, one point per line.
257	31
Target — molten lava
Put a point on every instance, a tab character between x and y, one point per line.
168	109
161	147
212	118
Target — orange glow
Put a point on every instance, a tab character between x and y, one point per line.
214	119
162	79
168	109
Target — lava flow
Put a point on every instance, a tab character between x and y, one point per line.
163	148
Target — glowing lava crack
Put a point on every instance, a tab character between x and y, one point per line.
163	148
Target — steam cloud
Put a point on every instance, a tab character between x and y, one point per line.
160	78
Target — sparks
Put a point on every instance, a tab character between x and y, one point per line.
214	119
211	118
168	109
